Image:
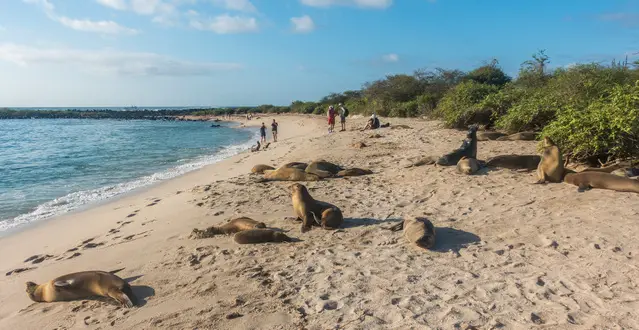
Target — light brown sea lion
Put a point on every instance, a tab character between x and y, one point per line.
551	166
489	135
354	172
312	212
260	168
322	168
231	227
588	180
401	127
419	231
298	165
83	285
289	174
429	160
254	236
515	162
521	136
467	165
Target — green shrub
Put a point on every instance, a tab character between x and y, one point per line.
608	126
461	107
408	109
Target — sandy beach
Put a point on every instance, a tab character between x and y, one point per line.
509	254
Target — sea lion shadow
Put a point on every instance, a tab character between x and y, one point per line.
484	170
451	239
142	293
365	222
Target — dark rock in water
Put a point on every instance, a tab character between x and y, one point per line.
216	125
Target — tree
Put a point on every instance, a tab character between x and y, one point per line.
490	74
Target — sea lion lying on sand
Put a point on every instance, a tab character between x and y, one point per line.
588	180
489	135
260	168
515	162
468	149
429	160
551	166
323	169
468	166
354	172
521	136
312	212
254	236
289	174
231	227
298	165
83	285
419	231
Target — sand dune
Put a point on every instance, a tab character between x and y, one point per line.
509	254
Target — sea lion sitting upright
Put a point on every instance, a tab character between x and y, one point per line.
254	236
289	174
260	168
467	165
322	168
419	231
489	135
312	212
588	180
354	172
233	226
551	166
521	136
83	285
515	162
468	149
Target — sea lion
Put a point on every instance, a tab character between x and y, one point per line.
489	135
256	147
322	168
298	165
289	174
419	231
83	285
588	180
515	162
260	168
468	149
467	165
233	226
308	210
521	136
354	172
429	160
254	236
551	166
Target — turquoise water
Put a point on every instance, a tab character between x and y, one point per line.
52	166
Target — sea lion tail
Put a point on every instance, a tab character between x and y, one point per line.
116	270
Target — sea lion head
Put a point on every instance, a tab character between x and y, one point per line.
472	131
31	289
297	188
548	142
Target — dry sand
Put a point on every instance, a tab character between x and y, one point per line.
509	254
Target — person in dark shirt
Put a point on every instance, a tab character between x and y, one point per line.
274	129
263	133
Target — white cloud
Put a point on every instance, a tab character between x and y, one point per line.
238	5
376	4
390	58
111	61
303	24
106	27
226	24
115	4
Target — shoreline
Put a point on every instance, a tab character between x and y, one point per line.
508	254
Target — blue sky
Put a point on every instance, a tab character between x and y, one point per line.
250	52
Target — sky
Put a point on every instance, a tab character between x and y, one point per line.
251	52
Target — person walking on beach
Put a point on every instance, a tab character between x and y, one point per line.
331	119
343	113
263	133
274	129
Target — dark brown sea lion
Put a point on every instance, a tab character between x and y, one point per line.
589	180
468	149
489	135
298	165
419	231
312	212
521	136
354	172
83	285
255	236
231	227
322	166
515	162
551	166
260	168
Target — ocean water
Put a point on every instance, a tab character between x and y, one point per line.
52	166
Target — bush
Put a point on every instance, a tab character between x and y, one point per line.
608	126
408	109
461	107
490	74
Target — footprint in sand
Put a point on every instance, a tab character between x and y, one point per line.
92	245
36	259
18	270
